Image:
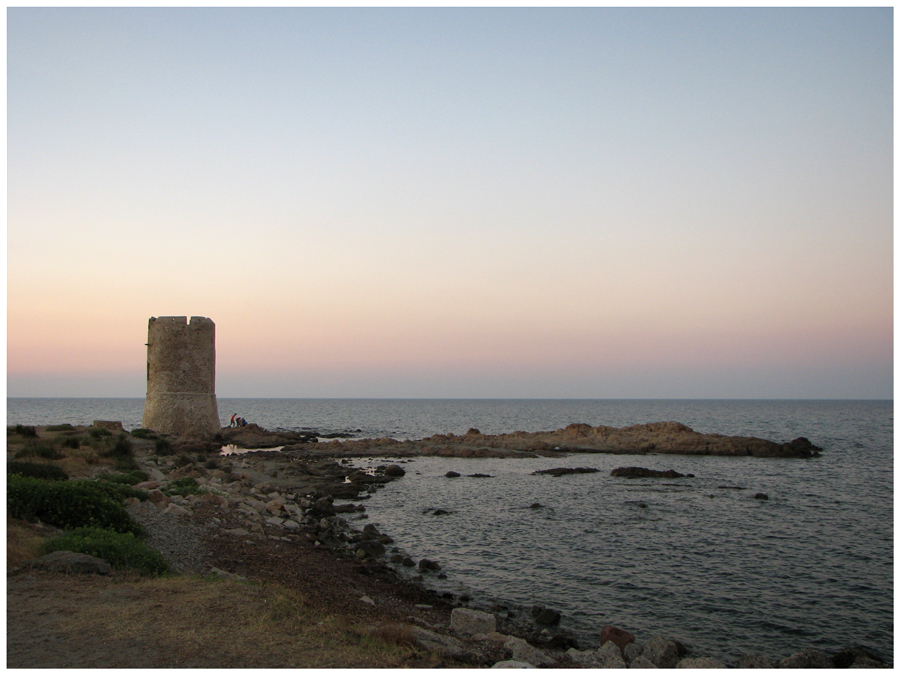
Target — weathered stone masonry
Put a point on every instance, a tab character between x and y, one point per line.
181	376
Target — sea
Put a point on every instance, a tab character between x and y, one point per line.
700	560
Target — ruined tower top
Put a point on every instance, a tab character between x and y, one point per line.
181	376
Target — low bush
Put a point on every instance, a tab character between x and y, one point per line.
99	432
182	461
60	427
42	449
184	487
149	434
163	447
27	431
129	478
118	491
126	464
32	470
121	551
121	448
74	442
68	504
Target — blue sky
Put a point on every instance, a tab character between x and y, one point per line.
455	202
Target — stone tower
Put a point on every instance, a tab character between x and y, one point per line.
181	376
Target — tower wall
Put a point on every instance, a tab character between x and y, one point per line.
181	376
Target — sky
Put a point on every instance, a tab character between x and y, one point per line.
454	203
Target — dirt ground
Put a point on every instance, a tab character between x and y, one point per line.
301	606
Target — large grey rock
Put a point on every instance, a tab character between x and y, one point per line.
610	656
70	562
755	661
661	652
586	659
522	651
222	574
472	622
632	651
807	658
642	663
702	662
175	510
444	645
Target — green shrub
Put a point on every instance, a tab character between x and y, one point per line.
184	487
45	471
28	432
149	434
72	442
129	478
126	464
212	463
163	447
117	491
182	461
121	448
60	427
68	504
121	551
98	432
42	449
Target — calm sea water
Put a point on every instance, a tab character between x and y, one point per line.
810	567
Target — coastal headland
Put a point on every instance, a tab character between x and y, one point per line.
288	527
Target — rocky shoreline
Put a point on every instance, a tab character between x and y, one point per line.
269	506
639	439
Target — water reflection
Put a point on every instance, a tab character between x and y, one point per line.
232	449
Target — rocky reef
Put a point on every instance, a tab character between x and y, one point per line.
640	439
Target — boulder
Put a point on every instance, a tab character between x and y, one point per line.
632	651
547	617
700	663
148	485
237	532
585	659
755	661
807	658
522	651
394	470
661	652
159	498
452	474
444	645
371	548
556	473
621	638
852	657
472	622
760	495
214	499
222	574
426	564
175	510
69	562
641	663
610	656
640	472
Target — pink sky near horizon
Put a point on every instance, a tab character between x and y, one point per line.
455	203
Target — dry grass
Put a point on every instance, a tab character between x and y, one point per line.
233	624
82	462
23	541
